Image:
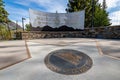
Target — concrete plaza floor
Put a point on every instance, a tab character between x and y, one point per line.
104	67
12	52
110	48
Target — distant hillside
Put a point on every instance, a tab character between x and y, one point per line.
13	26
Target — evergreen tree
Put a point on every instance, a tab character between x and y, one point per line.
104	6
101	17
4	21
77	5
3	13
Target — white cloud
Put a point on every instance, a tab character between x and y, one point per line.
53	6
115	18
16	14
113	15
111	3
23	2
49	5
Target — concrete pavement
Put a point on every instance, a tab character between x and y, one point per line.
12	52
110	48
104	68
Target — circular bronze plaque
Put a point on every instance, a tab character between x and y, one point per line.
67	61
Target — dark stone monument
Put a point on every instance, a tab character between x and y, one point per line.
68	62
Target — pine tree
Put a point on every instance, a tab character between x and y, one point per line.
101	17
4	21
3	13
77	5
104	6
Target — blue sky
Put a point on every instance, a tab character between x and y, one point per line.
19	8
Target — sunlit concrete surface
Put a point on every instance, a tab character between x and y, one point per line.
104	68
12	52
110	48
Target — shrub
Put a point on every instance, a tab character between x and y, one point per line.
4	33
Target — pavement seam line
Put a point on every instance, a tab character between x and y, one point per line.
13	64
29	56
101	52
27	49
99	49
112	57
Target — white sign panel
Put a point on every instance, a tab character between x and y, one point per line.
41	19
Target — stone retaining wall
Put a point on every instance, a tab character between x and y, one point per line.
107	33
38	35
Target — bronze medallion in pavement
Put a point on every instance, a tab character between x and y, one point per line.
67	61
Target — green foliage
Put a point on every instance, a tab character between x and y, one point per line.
100	15
3	13
4	33
27	27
